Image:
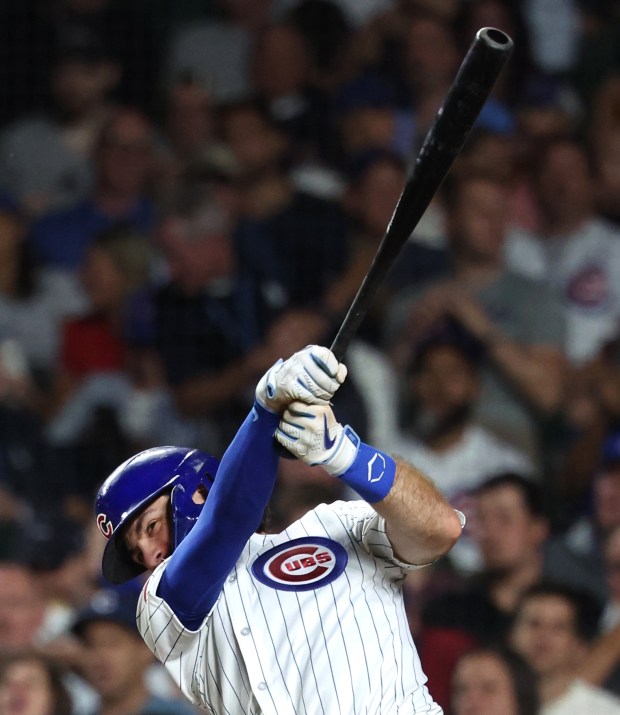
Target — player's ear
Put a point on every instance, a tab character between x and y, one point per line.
200	495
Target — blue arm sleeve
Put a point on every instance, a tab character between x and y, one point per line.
235	505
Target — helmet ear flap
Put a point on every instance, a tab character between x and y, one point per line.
185	511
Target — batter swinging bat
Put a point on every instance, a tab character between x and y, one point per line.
446	137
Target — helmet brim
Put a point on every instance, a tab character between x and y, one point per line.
117	565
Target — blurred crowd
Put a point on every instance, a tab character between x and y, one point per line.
190	190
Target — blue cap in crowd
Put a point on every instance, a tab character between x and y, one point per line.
365	92
611	450
111	605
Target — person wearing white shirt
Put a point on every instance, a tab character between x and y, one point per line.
554	628
574	251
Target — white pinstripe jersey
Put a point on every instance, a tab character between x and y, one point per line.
278	642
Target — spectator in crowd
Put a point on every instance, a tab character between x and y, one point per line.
554	629
610	619
197	48
28	619
502	154
117	265
375	182
218	322
127	29
430	62
188	131
60	551
99	384
22	608
203	324
604	140
493	681
328	32
34	302
123	160
45	159
61	554
439	432
590	415
574	252
115	660
509	524
281	79
32	684
518	322
365	110
284	227
431	56
587	535
611	615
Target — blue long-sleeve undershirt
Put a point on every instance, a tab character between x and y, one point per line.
235	505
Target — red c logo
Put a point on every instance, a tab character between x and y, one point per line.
105	525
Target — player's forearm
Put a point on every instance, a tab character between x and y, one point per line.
421	524
232	512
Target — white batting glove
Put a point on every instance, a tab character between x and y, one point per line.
311	375
312	433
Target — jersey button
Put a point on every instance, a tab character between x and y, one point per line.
245	631
232	579
262	686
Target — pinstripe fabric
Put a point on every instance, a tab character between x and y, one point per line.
342	649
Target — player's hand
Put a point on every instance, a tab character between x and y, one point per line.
311	375
313	434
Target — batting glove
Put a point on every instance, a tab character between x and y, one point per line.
312	433
311	375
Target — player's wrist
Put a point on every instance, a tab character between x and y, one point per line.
264	414
344	453
371	474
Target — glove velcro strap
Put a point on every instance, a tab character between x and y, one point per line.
372	473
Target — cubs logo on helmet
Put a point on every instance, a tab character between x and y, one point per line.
105	525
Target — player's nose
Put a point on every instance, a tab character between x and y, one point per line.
153	554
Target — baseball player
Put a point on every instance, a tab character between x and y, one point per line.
307	621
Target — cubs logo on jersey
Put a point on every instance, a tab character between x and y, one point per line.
302	564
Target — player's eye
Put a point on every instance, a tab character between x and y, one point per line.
136	555
151	527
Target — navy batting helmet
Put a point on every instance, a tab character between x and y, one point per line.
134	484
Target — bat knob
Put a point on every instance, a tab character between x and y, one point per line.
494	38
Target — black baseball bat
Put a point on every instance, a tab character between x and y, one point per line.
444	140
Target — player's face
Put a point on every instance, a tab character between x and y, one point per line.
148	538
482	686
